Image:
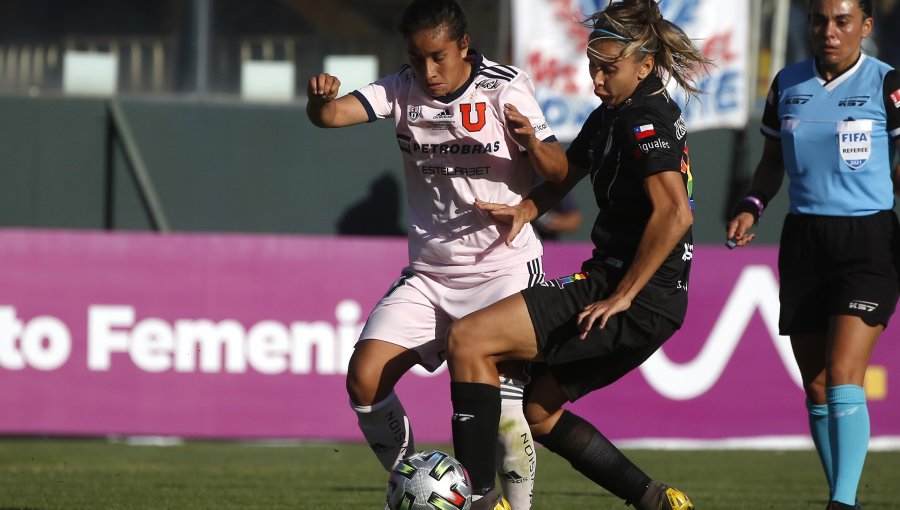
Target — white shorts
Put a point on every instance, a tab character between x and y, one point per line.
419	307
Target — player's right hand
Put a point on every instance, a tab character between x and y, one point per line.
598	313
737	230
519	126
323	88
516	216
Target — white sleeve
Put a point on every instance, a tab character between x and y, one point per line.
379	97
520	93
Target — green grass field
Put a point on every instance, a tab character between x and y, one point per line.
73	474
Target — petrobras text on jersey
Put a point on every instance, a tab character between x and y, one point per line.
456	148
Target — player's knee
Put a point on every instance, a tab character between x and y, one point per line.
461	342
362	384
815	390
842	373
356	391
539	424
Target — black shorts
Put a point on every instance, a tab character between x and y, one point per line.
834	265
581	366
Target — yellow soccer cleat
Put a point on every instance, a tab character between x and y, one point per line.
502	505
491	501
663	497
674	499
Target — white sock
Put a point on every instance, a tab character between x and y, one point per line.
516	456
386	429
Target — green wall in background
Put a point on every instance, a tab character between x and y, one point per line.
238	167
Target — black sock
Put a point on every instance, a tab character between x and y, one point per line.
476	417
595	457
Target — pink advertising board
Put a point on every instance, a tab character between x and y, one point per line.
246	336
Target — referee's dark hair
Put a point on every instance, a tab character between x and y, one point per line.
864	5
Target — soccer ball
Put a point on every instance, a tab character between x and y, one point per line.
429	480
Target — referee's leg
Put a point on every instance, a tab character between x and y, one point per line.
850	349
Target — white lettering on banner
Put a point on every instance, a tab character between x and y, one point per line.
102	339
756	289
10	329
152	342
44	342
269	347
52	354
209	339
320	336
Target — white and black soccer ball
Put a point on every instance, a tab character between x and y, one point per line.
429	480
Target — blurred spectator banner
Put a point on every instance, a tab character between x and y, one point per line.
245	336
549	43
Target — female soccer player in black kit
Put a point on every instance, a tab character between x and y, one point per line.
830	123
589	329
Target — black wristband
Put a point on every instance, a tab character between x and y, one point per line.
746	206
754	202
762	197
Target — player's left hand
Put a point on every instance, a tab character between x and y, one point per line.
602	311
518	125
515	216
738	232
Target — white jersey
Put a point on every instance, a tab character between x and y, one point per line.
455	149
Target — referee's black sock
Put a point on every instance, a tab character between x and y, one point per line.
595	457
476	417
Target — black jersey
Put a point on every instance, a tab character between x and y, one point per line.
623	145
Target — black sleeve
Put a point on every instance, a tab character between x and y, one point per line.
649	142
892	103
579	150
771	124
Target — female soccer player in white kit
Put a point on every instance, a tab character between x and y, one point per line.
466	127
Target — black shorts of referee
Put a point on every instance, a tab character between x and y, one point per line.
605	355
837	265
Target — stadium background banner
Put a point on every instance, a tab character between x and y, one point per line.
549	43
241	336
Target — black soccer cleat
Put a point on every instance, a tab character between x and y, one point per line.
837	505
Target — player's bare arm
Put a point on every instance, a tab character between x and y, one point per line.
670	220
547	158
767	178
325	109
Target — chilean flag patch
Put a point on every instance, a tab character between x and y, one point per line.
641	132
895	96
